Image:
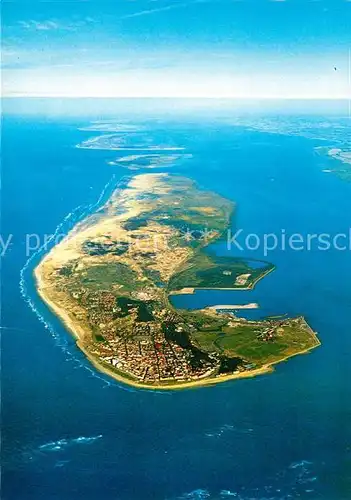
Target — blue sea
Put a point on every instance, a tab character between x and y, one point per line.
70	432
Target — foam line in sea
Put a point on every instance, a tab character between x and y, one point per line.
73	218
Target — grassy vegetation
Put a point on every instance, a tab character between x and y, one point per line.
206	340
244	341
144	309
112	248
107	276
208	271
187	209
97	334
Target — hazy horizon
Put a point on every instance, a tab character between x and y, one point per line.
191	49
107	107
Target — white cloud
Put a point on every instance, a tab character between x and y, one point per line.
52	24
39	26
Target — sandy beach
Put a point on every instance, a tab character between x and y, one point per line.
76	330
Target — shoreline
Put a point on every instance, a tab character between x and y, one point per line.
74	330
55	309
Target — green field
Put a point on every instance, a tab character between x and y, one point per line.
244	340
107	276
209	271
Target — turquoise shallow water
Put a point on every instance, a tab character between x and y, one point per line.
70	433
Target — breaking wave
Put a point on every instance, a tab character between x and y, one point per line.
296	481
217	433
62	444
26	280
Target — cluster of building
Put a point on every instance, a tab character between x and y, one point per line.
102	308
150	358
242	279
142	349
269	333
139	349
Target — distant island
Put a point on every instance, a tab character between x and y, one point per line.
338	160
110	280
149	161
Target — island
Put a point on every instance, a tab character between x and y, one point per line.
338	160
110	281
149	161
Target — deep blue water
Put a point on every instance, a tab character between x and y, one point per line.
69	432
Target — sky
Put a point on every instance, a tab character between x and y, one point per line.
172	48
